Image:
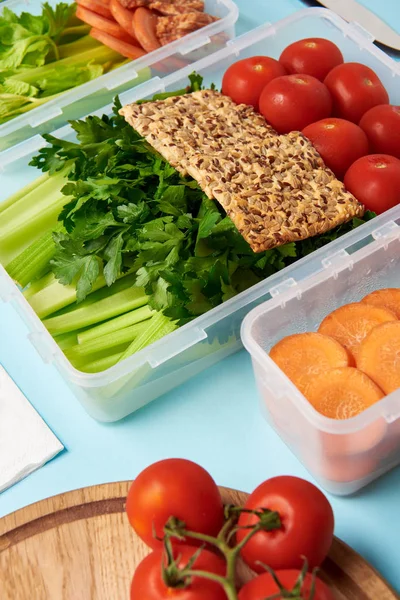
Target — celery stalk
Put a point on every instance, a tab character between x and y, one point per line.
32	262
77	47
38	285
158	327
102	364
66	340
107	342
55	296
95	313
135	316
23	192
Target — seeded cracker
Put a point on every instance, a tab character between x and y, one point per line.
275	188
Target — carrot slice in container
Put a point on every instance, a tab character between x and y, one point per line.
99	7
351	323
388	298
125	49
303	355
144	23
124	18
102	24
379	356
342	393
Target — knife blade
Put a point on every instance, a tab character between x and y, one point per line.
351	10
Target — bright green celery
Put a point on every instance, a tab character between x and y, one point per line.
22	193
34	260
106	308
128	319
66	340
25	221
158	327
82	45
39	284
107	342
51	297
98	55
101	364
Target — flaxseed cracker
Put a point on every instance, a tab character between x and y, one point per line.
275	188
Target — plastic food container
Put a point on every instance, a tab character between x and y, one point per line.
342	455
127	386
92	95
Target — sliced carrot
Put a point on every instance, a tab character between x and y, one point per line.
99	7
388	297
350	324
125	49
144	23
358	442
379	356
124	18
100	23
303	355
342	393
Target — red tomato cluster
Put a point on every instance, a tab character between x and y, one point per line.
343	108
302	527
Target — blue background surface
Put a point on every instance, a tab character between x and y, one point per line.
214	419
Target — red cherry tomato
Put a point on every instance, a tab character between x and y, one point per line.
382	126
307	525
294	101
174	487
355	88
313	56
245	80
148	584
339	142
375	181
264	586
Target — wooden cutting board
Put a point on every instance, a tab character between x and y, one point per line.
79	546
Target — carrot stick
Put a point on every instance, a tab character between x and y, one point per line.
125	49
342	393
303	355
388	298
144	24
350	324
379	356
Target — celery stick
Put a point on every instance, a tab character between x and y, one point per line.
79	46
32	203
101	364
158	327
55	296
135	316
38	285
66	340
112	306
23	192
107	342
19	239
34	260
97	55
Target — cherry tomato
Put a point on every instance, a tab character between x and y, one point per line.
264	586
294	101
313	56
148	584
355	88
174	487
245	80
307	525
382	126
339	142
375	181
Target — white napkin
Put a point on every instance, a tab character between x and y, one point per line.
26	443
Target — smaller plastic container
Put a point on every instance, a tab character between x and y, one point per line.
90	96
343	456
